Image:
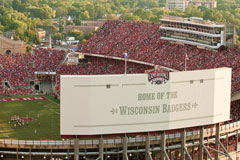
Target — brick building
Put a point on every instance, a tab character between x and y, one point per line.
10	46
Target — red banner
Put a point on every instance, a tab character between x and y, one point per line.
23	99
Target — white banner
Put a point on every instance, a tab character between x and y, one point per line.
73	60
49	73
108	104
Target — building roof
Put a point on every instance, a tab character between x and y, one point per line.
192	20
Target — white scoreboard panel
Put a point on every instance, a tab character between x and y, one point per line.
109	104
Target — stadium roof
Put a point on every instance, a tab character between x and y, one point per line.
192	20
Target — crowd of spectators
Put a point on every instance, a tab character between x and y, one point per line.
17	70
98	66
14	76
43	60
142	42
235	110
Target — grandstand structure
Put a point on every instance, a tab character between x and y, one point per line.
196	31
103	54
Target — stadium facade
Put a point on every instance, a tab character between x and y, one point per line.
104	55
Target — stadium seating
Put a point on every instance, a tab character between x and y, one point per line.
140	40
17	69
13	74
235	108
96	66
45	60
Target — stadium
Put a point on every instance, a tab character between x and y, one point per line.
30	112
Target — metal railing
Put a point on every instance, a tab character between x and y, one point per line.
116	140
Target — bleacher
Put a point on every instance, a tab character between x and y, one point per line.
141	40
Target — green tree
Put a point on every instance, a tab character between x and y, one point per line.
3	10
139	12
28	48
88	35
160	11
61	27
61	11
148	3
75	33
58	36
162	3
213	15
84	15
176	12
83	41
1	28
91	10
193	11
32	36
77	21
47	12
155	19
112	17
131	17
99	11
146	15
17	4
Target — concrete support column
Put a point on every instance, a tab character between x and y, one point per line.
76	149
125	142
118	157
237	148
17	153
237	140
147	146
68	156
192	150
30	154
163	144
201	143
183	144
170	154
51	154
100	148
217	140
227	141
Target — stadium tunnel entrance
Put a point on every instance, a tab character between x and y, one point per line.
36	87
7	84
45	82
44	87
8	52
31	83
